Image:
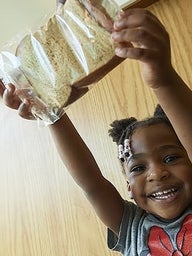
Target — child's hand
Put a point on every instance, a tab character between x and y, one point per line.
140	35
11	100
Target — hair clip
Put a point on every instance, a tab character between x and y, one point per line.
127	148
121	152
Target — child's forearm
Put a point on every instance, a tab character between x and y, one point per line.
75	154
80	163
175	97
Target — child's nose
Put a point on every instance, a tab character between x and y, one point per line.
157	173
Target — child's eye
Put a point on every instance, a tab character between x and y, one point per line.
138	168
169	159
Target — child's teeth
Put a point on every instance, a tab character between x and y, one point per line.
164	194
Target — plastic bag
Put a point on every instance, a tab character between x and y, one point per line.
56	64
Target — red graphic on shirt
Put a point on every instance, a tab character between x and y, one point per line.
160	244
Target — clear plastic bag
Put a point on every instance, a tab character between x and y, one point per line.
56	64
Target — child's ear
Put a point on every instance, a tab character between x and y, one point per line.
129	190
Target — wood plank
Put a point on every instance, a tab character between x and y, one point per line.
43	212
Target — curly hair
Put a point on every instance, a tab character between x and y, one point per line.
122	129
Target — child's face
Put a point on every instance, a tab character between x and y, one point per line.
159	171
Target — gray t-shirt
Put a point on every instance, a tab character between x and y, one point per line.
143	234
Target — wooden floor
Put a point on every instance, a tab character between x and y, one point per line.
42	211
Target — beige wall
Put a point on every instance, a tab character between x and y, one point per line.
42	211
20	15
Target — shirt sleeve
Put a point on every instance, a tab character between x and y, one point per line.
120	242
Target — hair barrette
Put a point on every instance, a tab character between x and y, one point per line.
121	152
127	148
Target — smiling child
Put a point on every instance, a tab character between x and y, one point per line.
155	153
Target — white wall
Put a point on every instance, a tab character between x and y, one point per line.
19	15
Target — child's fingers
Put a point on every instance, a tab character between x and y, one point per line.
140	37
140	19
10	98
24	110
136	18
148	37
141	54
2	88
139	25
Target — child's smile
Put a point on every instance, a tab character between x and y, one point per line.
159	171
165	194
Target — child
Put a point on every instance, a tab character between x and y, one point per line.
155	153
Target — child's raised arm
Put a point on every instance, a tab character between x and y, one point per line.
79	161
85	171
141	36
